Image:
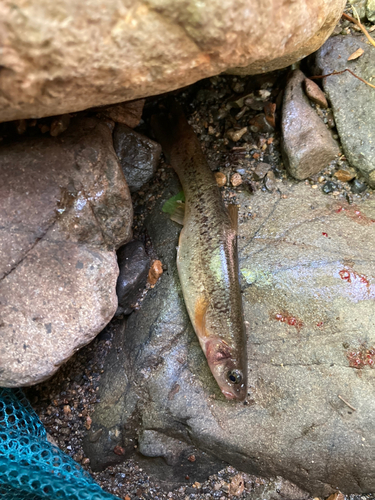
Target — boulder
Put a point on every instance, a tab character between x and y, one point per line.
352	100
308	283
59	57
64	209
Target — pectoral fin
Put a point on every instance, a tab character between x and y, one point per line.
201	306
175	207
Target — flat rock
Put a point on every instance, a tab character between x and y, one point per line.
138	156
82	54
134	265
308	282
64	208
308	146
352	100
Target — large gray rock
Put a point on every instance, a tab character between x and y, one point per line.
308	291
64	209
69	55
307	144
352	101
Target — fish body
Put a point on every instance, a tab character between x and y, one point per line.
207	259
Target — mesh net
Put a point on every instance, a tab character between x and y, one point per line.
30	467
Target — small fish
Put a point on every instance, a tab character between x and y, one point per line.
207	259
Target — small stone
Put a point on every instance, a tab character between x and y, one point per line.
321	179
85	461
127	113
237	485
260	124
270	181
221	179
336	496
59	125
66	409
261	170
330	120
235	135
236	180
88	422
314	93
138	156
329	186
344	175
156	270
358	187
134	265
191	458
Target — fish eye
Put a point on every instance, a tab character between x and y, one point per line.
234	376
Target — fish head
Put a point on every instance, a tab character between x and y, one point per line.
228	367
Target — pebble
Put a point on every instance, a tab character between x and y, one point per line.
261	170
314	93
156	270
235	135
345	175
221	179
236	180
270	181
260	124
358	187
59	125
329	186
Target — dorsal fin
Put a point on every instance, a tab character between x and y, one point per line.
233	214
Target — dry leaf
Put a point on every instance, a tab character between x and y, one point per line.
356	54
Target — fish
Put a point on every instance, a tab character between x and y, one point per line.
207	256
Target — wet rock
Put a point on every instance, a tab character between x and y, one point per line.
329	187
358	186
308	296
127	113
64	208
351	99
138	155
270	181
86	56
307	144
134	264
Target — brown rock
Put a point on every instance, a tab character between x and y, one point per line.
307	144
127	113
64	208
260	124
221	179
156	270
270	181
82	54
345	175
236	180
315	93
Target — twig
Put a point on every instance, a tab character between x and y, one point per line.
347	404
339	73
360	25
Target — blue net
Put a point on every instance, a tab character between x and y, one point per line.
30	467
